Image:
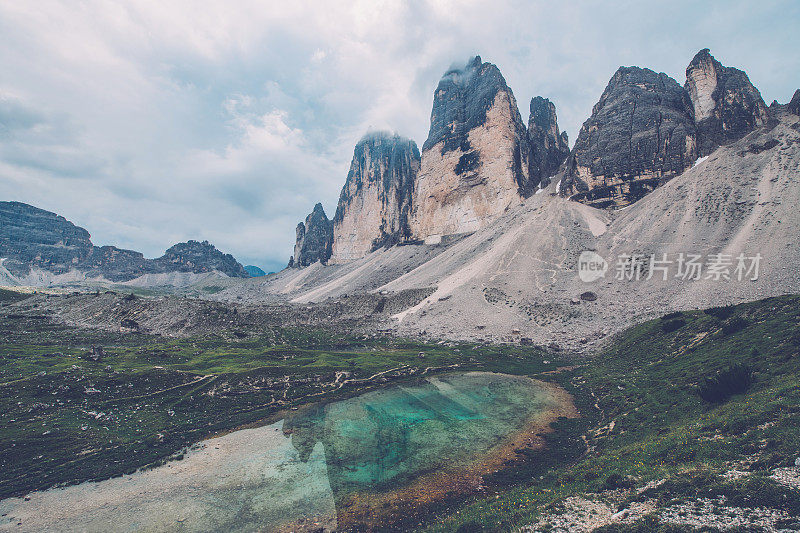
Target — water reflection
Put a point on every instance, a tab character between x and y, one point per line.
376	458
390	451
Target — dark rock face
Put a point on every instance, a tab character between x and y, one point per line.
549	147
314	239
794	105
376	199
199	257
254	272
726	105
31	237
117	264
641	133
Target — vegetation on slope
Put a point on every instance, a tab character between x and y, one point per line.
650	422
66	418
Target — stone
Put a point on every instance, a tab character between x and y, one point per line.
641	133
376	199
314	239
475	161
549	147
794	105
200	257
726	105
34	238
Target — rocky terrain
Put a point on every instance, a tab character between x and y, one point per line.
479	160
38	247
376	199
640	134
518	279
794	105
549	148
475	161
506	269
32	237
726	105
314	239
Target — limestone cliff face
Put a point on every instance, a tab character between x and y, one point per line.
549	147
377	196
726	105
640	134
475	162
314	239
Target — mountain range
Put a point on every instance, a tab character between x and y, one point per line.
38	247
486	226
482	233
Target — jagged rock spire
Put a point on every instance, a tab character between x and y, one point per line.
641	133
376	199
726	105
549	147
475	162
314	239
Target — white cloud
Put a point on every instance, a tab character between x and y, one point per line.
150	122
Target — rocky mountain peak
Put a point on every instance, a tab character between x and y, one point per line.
726	105
549	147
199	257
377	196
640	134
314	239
794	105
32	238
461	100
475	161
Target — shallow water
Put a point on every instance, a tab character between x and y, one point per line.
355	461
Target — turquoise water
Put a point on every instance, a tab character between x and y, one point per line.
388	437
326	466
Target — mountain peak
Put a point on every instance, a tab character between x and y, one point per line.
314	239
376	198
726	104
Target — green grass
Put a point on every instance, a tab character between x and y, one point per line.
646	382
642	416
66	419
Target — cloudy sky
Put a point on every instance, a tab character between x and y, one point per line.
151	122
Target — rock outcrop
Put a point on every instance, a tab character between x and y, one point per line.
314	239
32	238
475	162
726	105
794	105
376	199
200	257
254	271
640	134
549	147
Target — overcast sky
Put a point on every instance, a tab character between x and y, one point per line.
152	122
